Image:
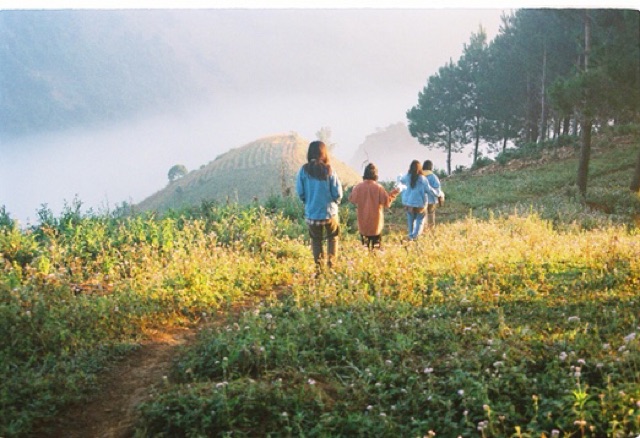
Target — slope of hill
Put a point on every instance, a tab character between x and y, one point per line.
68	68
254	171
544	180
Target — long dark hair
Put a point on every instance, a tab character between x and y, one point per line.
318	165
415	170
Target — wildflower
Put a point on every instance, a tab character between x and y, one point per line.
498	364
428	370
606	346
382	414
555	433
272	337
311	382
465	413
388	363
369	408
574	319
284	414
630	337
486	408
582	361
460	392
563	356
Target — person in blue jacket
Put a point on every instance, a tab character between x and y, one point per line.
414	198
435	195
319	188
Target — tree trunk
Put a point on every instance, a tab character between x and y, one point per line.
566	126
585	150
449	154
543	102
585	155
477	141
635	181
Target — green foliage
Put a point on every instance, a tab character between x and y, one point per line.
513	326
176	172
521	315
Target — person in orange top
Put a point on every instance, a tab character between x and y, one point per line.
371	199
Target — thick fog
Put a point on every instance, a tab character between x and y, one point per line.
266	72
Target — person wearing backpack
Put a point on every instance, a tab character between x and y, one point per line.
435	195
320	190
370	199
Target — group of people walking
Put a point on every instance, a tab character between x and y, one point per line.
319	188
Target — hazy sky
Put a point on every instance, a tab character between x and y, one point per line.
353	70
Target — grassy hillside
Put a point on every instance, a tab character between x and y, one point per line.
543	179
253	172
496	325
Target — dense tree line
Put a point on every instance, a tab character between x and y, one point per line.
548	73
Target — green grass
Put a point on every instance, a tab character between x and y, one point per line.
516	320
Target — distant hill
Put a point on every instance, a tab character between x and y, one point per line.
69	68
392	149
254	171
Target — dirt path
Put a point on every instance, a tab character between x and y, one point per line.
111	414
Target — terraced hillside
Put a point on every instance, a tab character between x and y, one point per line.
252	172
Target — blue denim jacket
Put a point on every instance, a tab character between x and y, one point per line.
320	197
435	191
416	196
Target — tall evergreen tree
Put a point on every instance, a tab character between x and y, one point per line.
439	118
472	66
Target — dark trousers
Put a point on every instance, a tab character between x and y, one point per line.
318	233
372	242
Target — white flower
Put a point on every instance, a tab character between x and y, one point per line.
563	356
630	337
428	370
284	414
574	319
460	392
388	363
606	346
311	382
